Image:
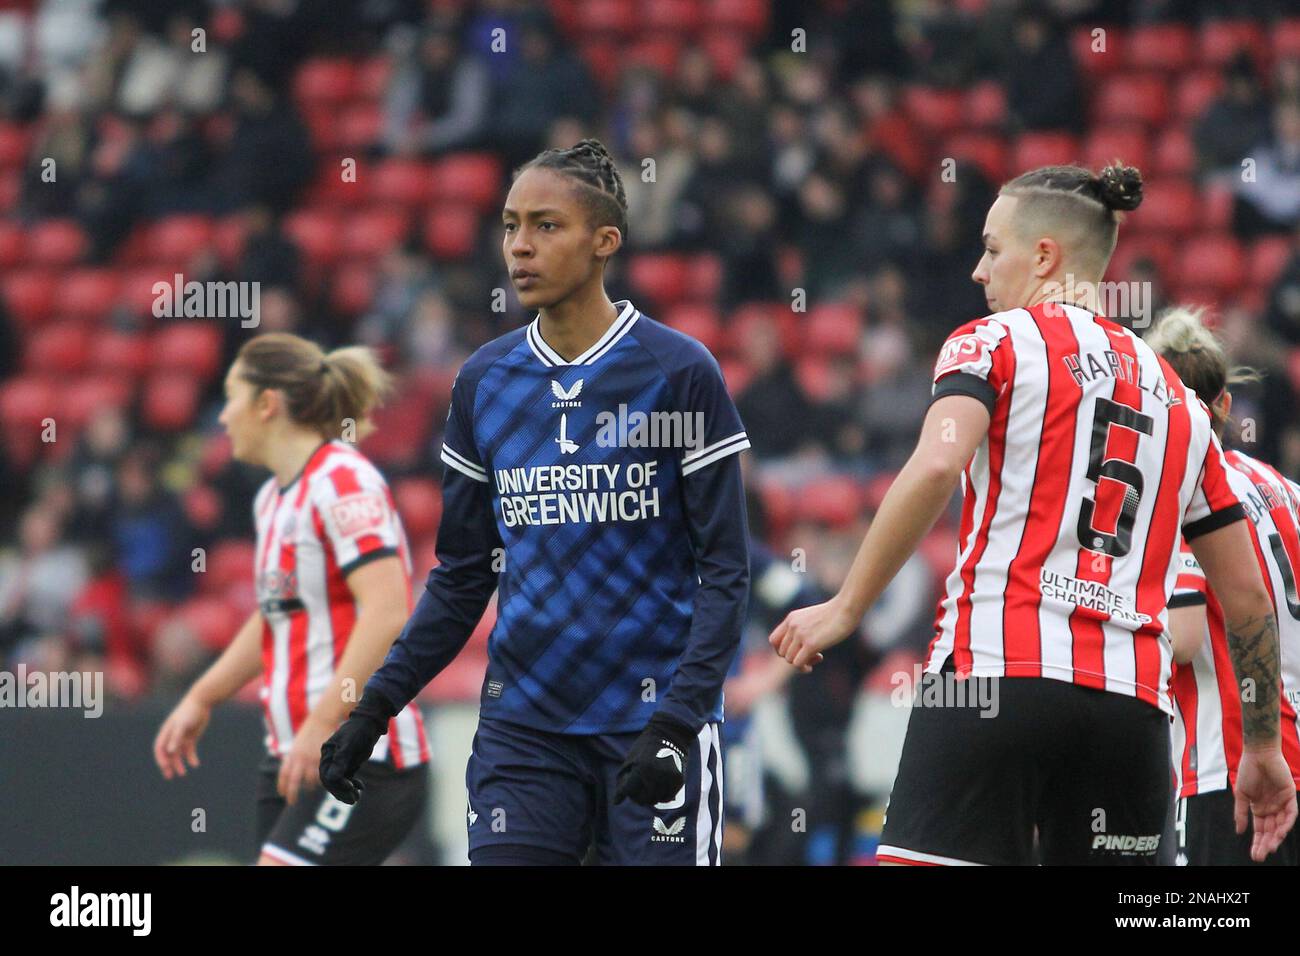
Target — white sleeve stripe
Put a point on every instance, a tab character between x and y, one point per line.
476	475
699	453
720	453
448	450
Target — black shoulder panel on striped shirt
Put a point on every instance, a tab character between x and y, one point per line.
1214	521
964	383
366	558
1186	599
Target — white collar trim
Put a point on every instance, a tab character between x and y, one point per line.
626	318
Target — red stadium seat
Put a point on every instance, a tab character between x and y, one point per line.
985	105
11	189
746	16
833	329
404	181
933	109
674	16
988	151
608	18
180	238
834	501
88	294
1217	203
778	505
136	292
355	127
15	142
1175	153
700	322
725	50
170	401
451	231
329	190
189	348
1134	97
372	78
228	239
354	289
603	59
1160	248
317	232
213	619
1168	205
474	178
203	508
1222	40
813	375
1033	150
325	82
1161	46
1268	257
60	349
1215	261
1195	92
1105	144
120	351
26	400
419	502
229	562
30	296
80	399
13	244
703	277
736	374
659	54
1286	38
660	277
1097	53
56	242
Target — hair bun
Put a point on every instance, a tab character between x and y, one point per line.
1120	187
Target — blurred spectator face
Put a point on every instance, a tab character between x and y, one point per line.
786	125
887	189
249	93
257	220
38	531
438	51
694	73
679	129
753	211
1006	268
645	138
243	421
750	81
1286	124
1287	76
821	199
762	346
564	132
278	310
135	479
550	246
872	98
1029	34
715	142
106	432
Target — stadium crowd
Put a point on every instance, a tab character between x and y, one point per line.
807	183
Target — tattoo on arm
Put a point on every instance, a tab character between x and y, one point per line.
1254	650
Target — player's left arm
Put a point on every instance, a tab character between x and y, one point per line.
954	427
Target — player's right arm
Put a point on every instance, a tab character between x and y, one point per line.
1265	791
178	738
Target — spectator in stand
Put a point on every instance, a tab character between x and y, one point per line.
830	256
701	217
269	157
1270	202
888	227
772	406
653	205
1282	314
438	98
269	256
1234	123
834	420
748	247
90	473
38	582
150	533
1041	78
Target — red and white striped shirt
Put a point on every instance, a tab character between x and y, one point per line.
335	516
1096	453
1207	726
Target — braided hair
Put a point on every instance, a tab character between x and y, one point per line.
600	187
1072	196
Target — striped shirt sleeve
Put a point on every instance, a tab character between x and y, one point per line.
357	514
715	428
1189	585
973	362
1213	503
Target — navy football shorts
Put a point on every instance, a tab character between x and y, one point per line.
536	796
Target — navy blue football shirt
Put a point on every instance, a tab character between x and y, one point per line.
602	498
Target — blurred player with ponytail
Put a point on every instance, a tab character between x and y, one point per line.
333	581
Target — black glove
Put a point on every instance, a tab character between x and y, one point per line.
344	753
655	766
